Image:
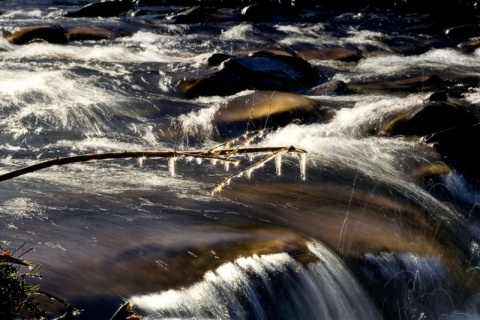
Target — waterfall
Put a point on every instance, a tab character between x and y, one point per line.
273	286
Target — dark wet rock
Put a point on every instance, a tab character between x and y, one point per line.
194	14
217	58
412	84
438	96
257	12
429	118
223	15
92	33
259	71
268	12
103	9
459	146
51	33
267	109
330	88
463	32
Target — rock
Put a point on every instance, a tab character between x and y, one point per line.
263	71
339	54
438	96
412	84
459	146
330	88
50	33
91	33
256	12
217	58
194	14
428	118
267	109
102	9
464	32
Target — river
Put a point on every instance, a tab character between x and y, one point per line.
355	234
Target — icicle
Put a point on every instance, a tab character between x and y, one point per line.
171	166
227	182
248	173
214	161
199	160
250	157
140	161
227	165
278	164
303	166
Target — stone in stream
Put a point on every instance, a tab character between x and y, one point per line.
93	33
267	109
412	84
260	71
104	9
217	58
189	15
459	146
330	88
48	33
259	12
429	118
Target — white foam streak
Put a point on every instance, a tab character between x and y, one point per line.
54	98
435	61
199	123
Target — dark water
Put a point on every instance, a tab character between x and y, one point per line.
361	236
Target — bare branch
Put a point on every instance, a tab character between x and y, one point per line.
219	154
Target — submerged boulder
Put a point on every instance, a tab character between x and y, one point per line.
102	9
267	109
260	71
47	33
428	118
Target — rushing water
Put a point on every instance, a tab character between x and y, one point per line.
357	236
